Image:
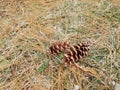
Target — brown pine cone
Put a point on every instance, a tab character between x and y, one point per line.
58	47
76	52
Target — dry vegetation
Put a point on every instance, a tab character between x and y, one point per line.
28	27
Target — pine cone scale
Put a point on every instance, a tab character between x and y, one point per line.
58	47
76	52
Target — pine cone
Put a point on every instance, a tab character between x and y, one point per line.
76	52
58	47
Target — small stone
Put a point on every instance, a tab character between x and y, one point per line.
76	87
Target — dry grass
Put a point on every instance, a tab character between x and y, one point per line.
28	27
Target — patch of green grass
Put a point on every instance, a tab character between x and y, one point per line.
4	64
99	55
43	66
